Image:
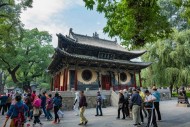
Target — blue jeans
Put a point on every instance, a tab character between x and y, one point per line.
100	108
44	110
49	116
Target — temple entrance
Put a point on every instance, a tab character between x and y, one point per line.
106	82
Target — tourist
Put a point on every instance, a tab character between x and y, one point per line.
149	100
136	102
3	102
76	104
60	112
16	113
98	104
142	105
28	102
57	103
37	110
43	104
126	103
121	105
82	106
33	95
157	102
9	101
130	92
49	107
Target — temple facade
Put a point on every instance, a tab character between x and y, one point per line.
82	61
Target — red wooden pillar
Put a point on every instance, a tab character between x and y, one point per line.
55	82
52	83
76	80
58	82
135	85
65	79
140	80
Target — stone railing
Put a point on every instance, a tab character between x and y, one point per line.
69	96
114	98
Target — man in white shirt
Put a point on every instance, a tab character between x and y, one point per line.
149	99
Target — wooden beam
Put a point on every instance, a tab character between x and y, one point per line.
76	79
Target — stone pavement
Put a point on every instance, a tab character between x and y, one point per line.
172	117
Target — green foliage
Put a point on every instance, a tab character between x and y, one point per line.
136	22
186	5
170	60
27	57
45	86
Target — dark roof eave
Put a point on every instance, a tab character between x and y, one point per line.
140	64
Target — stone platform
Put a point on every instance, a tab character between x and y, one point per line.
183	105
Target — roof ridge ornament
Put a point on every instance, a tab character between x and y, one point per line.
95	35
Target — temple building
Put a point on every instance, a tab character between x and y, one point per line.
82	61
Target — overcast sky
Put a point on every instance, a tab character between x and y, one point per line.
57	16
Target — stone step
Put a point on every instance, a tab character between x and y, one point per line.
183	105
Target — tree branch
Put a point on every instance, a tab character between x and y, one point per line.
16	68
5	62
4	4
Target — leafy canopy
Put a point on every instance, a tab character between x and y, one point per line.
136	22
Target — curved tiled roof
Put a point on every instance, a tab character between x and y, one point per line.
98	42
141	65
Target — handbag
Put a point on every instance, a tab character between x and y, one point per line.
148	104
37	112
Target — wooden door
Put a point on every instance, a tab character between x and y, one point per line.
106	82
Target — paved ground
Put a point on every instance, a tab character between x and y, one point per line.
172	117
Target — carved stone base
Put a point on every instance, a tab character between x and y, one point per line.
183	105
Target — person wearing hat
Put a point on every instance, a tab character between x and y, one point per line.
157	102
142	105
98	104
136	104
121	105
149	100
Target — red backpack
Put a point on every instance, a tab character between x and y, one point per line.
20	119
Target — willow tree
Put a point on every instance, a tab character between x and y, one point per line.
136	22
170	59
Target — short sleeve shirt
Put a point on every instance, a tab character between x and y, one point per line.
150	97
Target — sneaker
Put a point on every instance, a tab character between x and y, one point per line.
85	122
117	117
101	115
80	124
54	122
96	115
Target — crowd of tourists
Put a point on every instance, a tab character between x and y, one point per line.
21	108
139	104
134	103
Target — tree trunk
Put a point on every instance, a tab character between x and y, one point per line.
13	76
177	89
171	88
1	83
